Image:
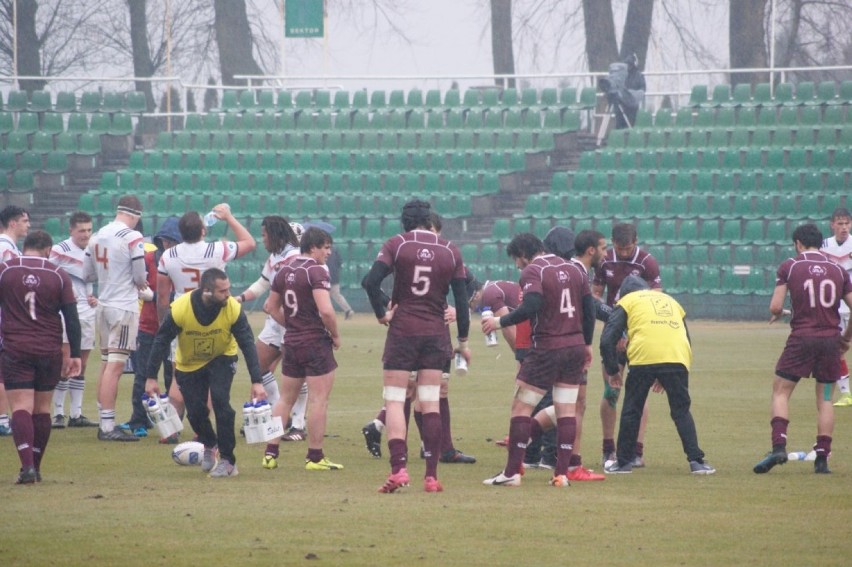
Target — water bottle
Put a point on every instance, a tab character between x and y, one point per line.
210	219
490	338
247	411
264	413
797	456
155	412
166	406
461	365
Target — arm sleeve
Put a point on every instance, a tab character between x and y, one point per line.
72	327
614	329
462	310
372	285
140	276
531	305
589	313
602	310
161	346
245	339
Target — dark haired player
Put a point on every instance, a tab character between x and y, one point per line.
624	259
424	267
559	304
14	225
299	300
33	292
817	286
281	242
838	248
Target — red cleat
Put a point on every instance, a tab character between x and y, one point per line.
431	484
395	481
581	473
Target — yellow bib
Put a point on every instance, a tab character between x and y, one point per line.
199	344
655	330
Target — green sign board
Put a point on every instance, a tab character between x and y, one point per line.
303	18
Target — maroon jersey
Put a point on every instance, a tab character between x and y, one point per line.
817	287
423	266
32	292
295	282
613	271
559	322
500	294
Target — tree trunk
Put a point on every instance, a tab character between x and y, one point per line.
637	30
233	36
747	39
143	66
502	49
601	47
29	47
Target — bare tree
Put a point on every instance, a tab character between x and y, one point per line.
637	29
234	39
501	40
143	66
813	33
747	40
50	41
601	48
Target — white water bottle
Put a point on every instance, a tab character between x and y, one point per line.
490	338
797	456
166	406
155	412
247	411
210	219
461	364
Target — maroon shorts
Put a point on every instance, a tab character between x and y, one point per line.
299	362
806	356
544	368
429	352
37	372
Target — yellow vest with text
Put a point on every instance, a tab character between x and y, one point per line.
199	344
655	330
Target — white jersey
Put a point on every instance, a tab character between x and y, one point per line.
8	248
840	253
185	263
70	257
275	261
110	255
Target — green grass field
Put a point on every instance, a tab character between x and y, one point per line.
128	504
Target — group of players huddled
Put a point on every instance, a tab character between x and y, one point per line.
169	303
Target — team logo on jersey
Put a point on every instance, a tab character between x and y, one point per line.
31	281
425	255
817	270
562	276
634	273
662	306
291	278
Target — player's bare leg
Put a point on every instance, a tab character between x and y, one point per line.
319	390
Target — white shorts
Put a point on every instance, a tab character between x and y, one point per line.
117	328
272	333
87	328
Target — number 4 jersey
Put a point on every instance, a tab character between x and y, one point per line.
559	322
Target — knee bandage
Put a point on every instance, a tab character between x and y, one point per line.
428	393
393	394
118	357
528	397
611	395
562	395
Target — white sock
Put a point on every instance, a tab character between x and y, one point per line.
297	416
379	425
107	420
270	384
59	397
75	387
843	384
